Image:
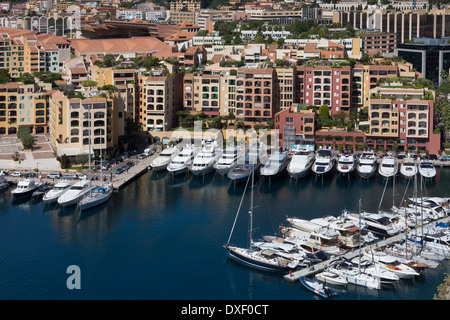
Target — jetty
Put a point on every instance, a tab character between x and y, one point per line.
321	266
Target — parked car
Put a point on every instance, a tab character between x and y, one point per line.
401	156
119	170
142	156
16	174
444	158
430	157
83	176
71	176
29	175
54	175
3	173
130	164
106	166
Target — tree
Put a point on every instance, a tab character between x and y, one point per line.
4	76
259	39
324	112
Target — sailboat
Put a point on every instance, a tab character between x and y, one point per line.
263	259
353	274
98	195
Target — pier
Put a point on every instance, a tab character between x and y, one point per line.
321	266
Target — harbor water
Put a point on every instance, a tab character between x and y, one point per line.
161	238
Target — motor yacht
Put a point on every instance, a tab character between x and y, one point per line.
228	160
276	164
24	188
163	159
374	222
346	164
324	162
205	159
181	163
301	163
408	168
75	193
52	195
388	167
367	165
427	169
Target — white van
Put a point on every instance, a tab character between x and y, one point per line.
148	151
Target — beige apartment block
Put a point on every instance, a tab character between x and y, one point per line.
23	104
73	121
161	98
125	80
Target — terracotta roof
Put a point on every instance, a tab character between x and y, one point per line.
118	46
311	48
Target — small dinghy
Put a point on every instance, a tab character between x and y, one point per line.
318	288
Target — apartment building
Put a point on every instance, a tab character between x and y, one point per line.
161	98
73	120
125	80
296	126
23	51
202	93
186	5
286	78
379	42
405	25
402	117
23	104
325	85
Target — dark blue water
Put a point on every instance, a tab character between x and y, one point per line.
162	238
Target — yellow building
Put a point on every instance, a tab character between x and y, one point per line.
185	4
72	120
125	80
23	104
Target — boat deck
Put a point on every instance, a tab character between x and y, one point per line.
318	267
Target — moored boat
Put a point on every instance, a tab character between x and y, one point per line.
324	162
318	288
51	196
163	159
301	163
24	188
367	165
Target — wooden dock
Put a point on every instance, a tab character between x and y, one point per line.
319	267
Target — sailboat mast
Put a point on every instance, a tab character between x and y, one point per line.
101	158
359	261
90	171
251	205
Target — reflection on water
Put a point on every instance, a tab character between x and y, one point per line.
160	231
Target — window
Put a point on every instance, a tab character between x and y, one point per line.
289	120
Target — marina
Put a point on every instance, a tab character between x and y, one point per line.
168	207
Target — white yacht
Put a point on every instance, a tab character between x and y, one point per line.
206	158
388	167
163	159
346	164
228	160
374	222
75	193
408	168
324	162
24	188
367	165
278	161
52	195
301	163
427	169
354	275
181	163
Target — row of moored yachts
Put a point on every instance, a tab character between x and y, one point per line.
237	164
306	242
65	194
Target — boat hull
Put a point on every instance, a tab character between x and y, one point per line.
177	172
202	172
25	194
254	263
92	204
